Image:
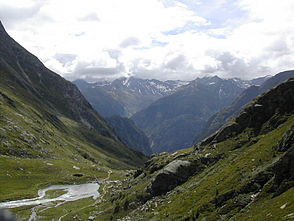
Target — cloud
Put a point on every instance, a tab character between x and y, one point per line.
163	39
12	14
230	65
131	41
177	63
65	58
90	17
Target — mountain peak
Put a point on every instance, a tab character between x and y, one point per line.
2	30
1	26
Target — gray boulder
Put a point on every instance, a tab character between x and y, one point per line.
172	175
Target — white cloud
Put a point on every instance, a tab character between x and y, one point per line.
129	42
164	39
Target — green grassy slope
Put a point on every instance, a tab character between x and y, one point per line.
47	129
244	172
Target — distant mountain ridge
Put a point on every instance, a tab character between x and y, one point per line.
144	86
172	121
124	94
100	100
127	95
220	118
130	134
245	171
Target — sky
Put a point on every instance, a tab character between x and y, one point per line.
160	39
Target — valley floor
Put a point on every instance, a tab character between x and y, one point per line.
22	178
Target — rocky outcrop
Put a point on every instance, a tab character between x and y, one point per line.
262	115
130	134
172	175
220	118
288	140
284	168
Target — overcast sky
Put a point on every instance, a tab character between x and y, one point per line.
161	39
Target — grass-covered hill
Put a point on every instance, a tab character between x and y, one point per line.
242	172
48	129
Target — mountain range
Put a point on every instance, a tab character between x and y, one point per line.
128	95
242	172
221	117
172	122
51	135
120	96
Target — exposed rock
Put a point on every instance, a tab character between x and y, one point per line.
263	118
172	175
254	185
130	134
157	162
220	118
284	172
90	218
181	155
220	200
28	137
137	173
287	141
208	159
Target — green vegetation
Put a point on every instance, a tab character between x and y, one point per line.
244	176
49	134
36	154
232	174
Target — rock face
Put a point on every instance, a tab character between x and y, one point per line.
172	122
100	100
262	115
242	172
130	134
284	168
288	141
172	175
220	118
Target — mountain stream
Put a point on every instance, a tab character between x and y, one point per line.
72	193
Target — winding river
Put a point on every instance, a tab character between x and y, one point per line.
73	193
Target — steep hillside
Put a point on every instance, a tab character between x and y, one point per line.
220	118
48	131
243	172
172	122
100	100
130	134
